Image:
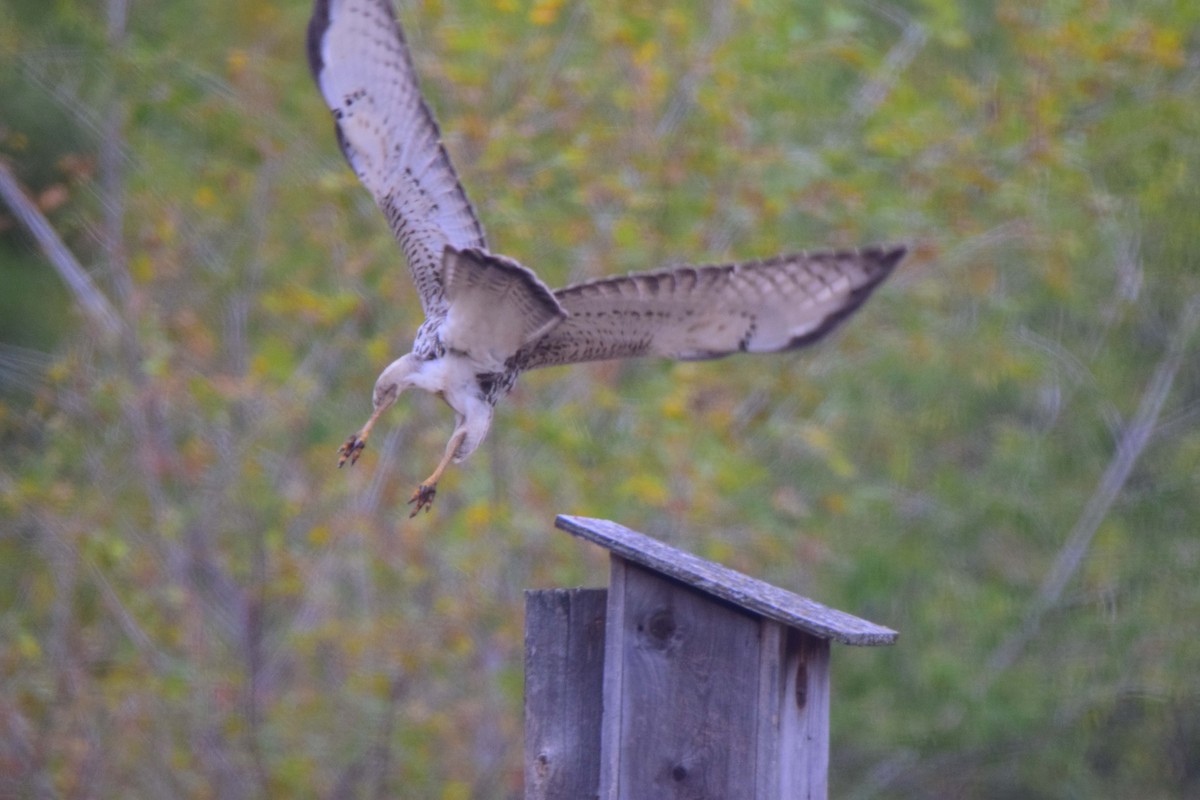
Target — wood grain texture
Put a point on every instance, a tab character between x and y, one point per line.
616	640
804	737
564	662
685	695
793	717
771	664
748	593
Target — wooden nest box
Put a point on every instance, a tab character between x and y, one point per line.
683	679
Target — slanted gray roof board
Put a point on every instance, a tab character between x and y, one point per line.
748	593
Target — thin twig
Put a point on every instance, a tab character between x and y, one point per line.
156	658
68	557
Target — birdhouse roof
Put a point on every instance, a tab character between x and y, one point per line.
757	597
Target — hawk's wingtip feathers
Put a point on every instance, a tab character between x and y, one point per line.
886	258
317	26
386	131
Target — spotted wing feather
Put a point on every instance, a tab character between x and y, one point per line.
712	311
361	64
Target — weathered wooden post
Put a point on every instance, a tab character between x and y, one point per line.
684	679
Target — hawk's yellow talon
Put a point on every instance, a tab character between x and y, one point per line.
422	498
351	449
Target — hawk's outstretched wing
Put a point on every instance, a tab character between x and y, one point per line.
388	134
712	311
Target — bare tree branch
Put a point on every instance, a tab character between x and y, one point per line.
684	99
872	93
95	305
1129	448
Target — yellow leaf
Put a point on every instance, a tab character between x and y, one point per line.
28	646
378	350
646	488
478	514
205	197
319	536
1166	47
142	267
834	503
461	644
236	62
647	53
674	406
545	12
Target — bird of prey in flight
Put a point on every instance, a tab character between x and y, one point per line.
487	317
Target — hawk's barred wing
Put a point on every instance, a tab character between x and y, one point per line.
712	311
361	64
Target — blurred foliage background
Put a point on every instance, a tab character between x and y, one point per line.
999	456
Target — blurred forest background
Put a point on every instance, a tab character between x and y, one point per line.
999	456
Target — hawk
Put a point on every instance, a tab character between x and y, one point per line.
487	317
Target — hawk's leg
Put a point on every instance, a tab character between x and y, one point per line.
352	448
423	496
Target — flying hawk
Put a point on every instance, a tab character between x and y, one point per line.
488	318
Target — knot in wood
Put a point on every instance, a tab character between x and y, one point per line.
660	628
